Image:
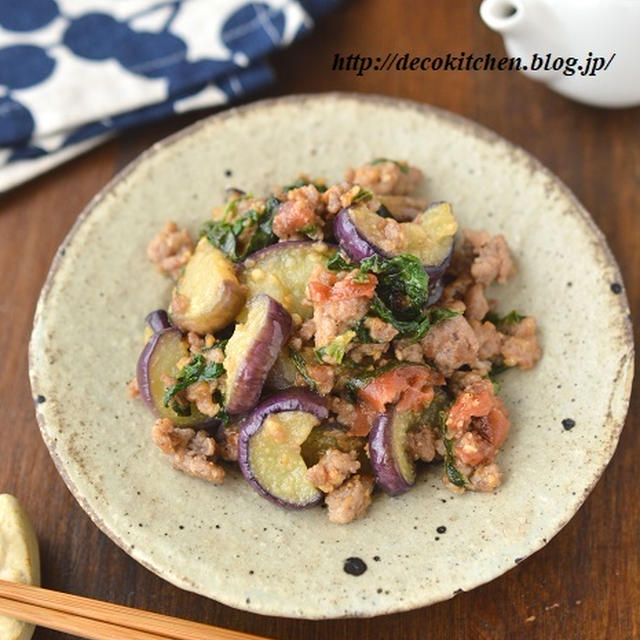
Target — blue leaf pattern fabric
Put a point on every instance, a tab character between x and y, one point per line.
74	72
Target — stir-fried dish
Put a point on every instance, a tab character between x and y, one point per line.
331	339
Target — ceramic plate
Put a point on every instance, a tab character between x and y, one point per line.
228	543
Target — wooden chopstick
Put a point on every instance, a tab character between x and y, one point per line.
99	620
71	623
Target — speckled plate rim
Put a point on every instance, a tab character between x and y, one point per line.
624	374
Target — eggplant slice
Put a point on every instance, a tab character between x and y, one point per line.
269	447
429	237
252	350
160	357
282	271
395	470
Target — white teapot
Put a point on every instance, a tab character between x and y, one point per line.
587	50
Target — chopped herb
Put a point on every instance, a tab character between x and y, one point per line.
361	379
263	236
303	182
363	194
218	344
349	364
247	220
453	474
513	317
338	263
183	410
361	278
403	284
312	231
383	212
497	368
433	317
220	235
416	330
226	235
403	166
362	333
301	365
198	370
296	184
222	414
336	348
232	205
401	294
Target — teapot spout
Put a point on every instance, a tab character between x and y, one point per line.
503	16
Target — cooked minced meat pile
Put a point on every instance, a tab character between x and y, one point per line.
333	340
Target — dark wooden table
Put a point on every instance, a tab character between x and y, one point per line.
586	582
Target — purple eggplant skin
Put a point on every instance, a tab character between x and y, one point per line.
389	475
144	371
436	288
160	355
158	320
436	271
351	241
259	340
296	399
358	247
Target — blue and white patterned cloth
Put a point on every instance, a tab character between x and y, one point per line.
73	72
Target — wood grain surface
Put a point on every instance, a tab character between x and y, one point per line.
586	582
